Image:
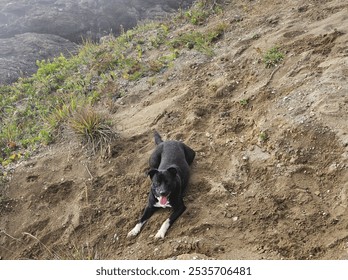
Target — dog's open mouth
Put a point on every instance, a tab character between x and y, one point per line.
163	200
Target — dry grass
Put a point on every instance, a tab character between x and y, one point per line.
93	128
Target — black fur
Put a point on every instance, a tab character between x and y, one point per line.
169	173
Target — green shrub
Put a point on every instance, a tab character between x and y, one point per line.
273	57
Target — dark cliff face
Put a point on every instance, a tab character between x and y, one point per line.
27	27
82	18
18	54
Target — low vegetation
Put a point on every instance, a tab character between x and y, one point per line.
35	111
273	57
263	136
93	129
201	10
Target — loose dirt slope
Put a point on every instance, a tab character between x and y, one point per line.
270	179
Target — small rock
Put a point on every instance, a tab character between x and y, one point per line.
302	9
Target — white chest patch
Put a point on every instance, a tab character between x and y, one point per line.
157	204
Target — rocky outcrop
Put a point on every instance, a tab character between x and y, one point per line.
72	20
18	54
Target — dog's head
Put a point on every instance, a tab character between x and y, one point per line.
163	183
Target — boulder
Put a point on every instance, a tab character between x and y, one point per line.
18	54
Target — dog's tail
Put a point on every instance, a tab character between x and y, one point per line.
158	138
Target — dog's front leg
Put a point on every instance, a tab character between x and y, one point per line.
166	225
149	210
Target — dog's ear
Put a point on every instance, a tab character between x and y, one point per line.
152	172
172	170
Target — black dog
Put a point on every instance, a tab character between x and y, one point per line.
169	173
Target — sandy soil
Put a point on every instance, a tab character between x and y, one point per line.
270	178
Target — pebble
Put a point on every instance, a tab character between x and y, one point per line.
116	238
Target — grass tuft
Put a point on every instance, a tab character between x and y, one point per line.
273	57
93	129
201	10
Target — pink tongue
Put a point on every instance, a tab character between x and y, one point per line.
163	200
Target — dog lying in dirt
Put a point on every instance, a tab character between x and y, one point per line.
169	173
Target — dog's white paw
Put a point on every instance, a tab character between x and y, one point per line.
159	235
163	230
135	231
132	233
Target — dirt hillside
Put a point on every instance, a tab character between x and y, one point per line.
270	179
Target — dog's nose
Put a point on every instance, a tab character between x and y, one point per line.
162	193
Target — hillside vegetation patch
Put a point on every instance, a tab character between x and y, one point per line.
35	110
